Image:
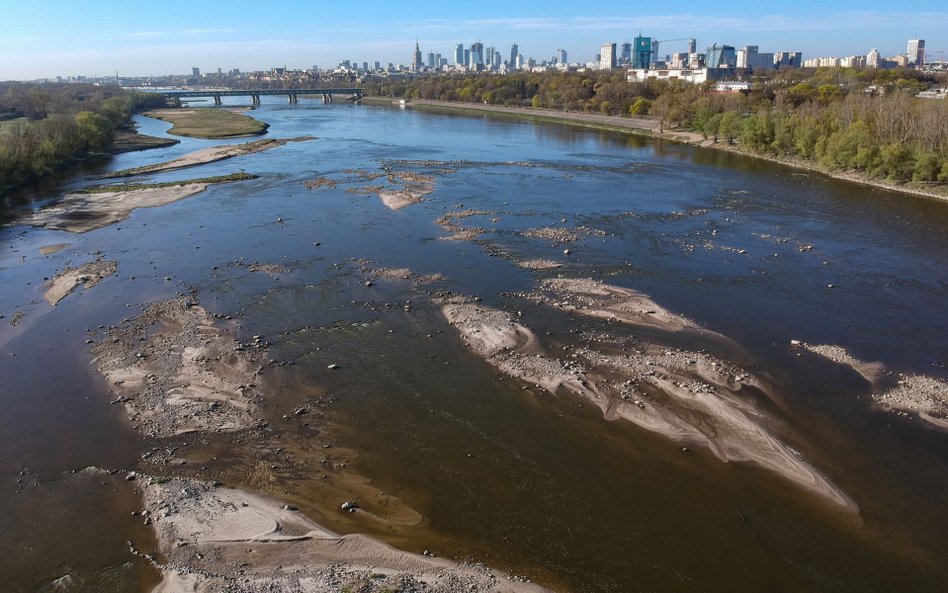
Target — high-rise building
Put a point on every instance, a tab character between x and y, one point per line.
477	55
655	57
459	55
378	66
437	61
607	60
431	62
720	56
916	52
514	52
561	57
467	57
625	56
416	59
196	72
489	55
641	52
692	46
749	58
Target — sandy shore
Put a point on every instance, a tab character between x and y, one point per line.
215	539
208	155
87	275
176	371
690	397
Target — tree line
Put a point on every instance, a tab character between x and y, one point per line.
865	120
46	127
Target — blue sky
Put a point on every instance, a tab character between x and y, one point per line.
43	38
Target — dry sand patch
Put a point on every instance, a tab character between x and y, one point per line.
88	275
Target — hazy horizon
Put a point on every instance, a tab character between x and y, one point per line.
48	38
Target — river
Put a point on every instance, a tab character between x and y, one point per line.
480	466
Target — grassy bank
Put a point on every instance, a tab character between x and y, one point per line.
650	128
207	122
130	141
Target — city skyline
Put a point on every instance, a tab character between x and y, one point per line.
49	38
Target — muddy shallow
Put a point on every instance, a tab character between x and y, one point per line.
442	449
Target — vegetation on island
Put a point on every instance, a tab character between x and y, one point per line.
868	121
123	187
47	127
212	123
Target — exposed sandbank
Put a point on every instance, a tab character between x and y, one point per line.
176	371
207	155
922	395
98	207
690	397
215	539
88	275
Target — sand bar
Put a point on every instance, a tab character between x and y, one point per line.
88	275
176	371
208	155
689	397
922	395
215	539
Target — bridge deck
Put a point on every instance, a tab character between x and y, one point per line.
251	92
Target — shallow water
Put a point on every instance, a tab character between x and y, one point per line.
521	479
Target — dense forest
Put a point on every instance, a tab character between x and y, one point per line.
863	120
46	127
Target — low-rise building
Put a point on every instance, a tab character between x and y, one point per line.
693	76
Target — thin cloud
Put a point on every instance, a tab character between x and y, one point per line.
181	32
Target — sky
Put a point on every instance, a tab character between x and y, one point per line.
47	38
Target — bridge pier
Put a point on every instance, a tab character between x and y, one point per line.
293	99
327	98
255	99
217	101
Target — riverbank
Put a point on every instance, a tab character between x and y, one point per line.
650	127
209	123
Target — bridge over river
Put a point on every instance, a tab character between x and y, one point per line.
174	97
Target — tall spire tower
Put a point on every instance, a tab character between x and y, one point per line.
416	58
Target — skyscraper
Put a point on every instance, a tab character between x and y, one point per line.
608	59
561	56
916	52
625	57
514	52
416	62
642	52
459	55
692	46
721	56
477	55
